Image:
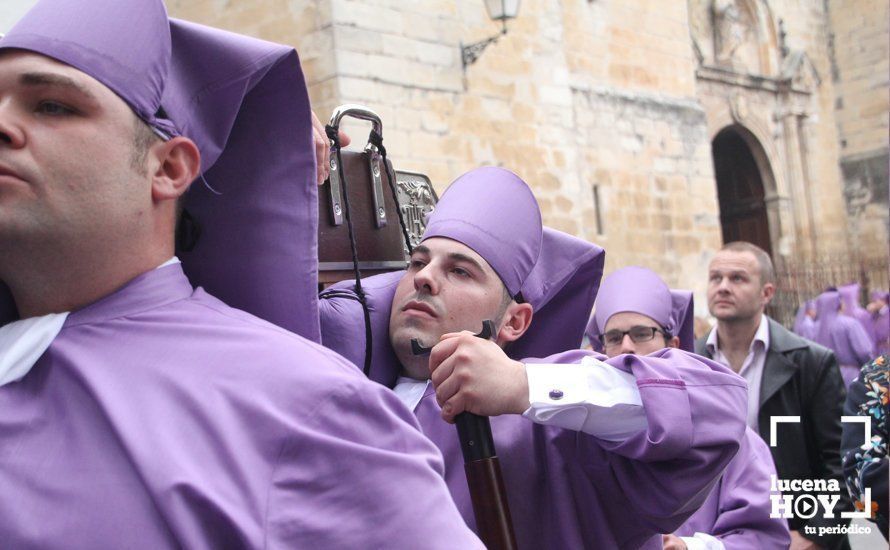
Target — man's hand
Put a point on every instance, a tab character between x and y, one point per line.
672	542
323	148
475	375
800	542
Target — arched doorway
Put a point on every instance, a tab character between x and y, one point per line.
740	191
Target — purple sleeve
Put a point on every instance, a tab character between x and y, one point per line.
695	411
861	345
743	519
362	448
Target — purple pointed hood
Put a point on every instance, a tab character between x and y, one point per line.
638	290
244	103
827	305
683	316
641	290
124	44
850	297
562	288
842	334
492	211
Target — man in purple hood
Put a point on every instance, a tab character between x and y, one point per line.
139	411
880	313
850	299
595	452
842	334
641	315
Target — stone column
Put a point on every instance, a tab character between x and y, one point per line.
795	211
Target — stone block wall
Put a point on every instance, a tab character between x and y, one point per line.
861	73
578	94
595	103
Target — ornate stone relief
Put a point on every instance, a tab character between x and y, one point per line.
736	38
735	35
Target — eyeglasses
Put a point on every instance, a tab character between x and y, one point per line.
637	333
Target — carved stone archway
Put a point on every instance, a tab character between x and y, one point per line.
749	81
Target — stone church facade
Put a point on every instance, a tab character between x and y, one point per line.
655	128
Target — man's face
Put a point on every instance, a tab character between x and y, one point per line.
625	321
448	288
735	291
66	156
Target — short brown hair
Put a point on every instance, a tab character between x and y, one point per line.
767	271
143	138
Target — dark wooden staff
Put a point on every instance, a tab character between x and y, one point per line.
483	469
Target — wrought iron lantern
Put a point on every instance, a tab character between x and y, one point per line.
498	10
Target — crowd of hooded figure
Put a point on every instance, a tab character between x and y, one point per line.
170	376
837	320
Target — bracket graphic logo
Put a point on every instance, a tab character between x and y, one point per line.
817	491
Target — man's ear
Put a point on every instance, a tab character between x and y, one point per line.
768	291
517	319
176	164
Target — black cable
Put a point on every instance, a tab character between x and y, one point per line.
377	140
333	135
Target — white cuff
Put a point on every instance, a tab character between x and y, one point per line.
703	541
591	397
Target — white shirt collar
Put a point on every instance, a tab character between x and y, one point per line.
761	337
410	391
171	261
22	342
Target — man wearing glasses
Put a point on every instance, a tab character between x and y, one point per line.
640	315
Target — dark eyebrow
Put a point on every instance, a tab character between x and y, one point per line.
458	257
55	81
453	256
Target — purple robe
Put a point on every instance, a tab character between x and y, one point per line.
843	335
568	489
806	328
161	418
737	512
850	298
803	324
881	322
882	330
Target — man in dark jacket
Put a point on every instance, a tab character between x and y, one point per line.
787	376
